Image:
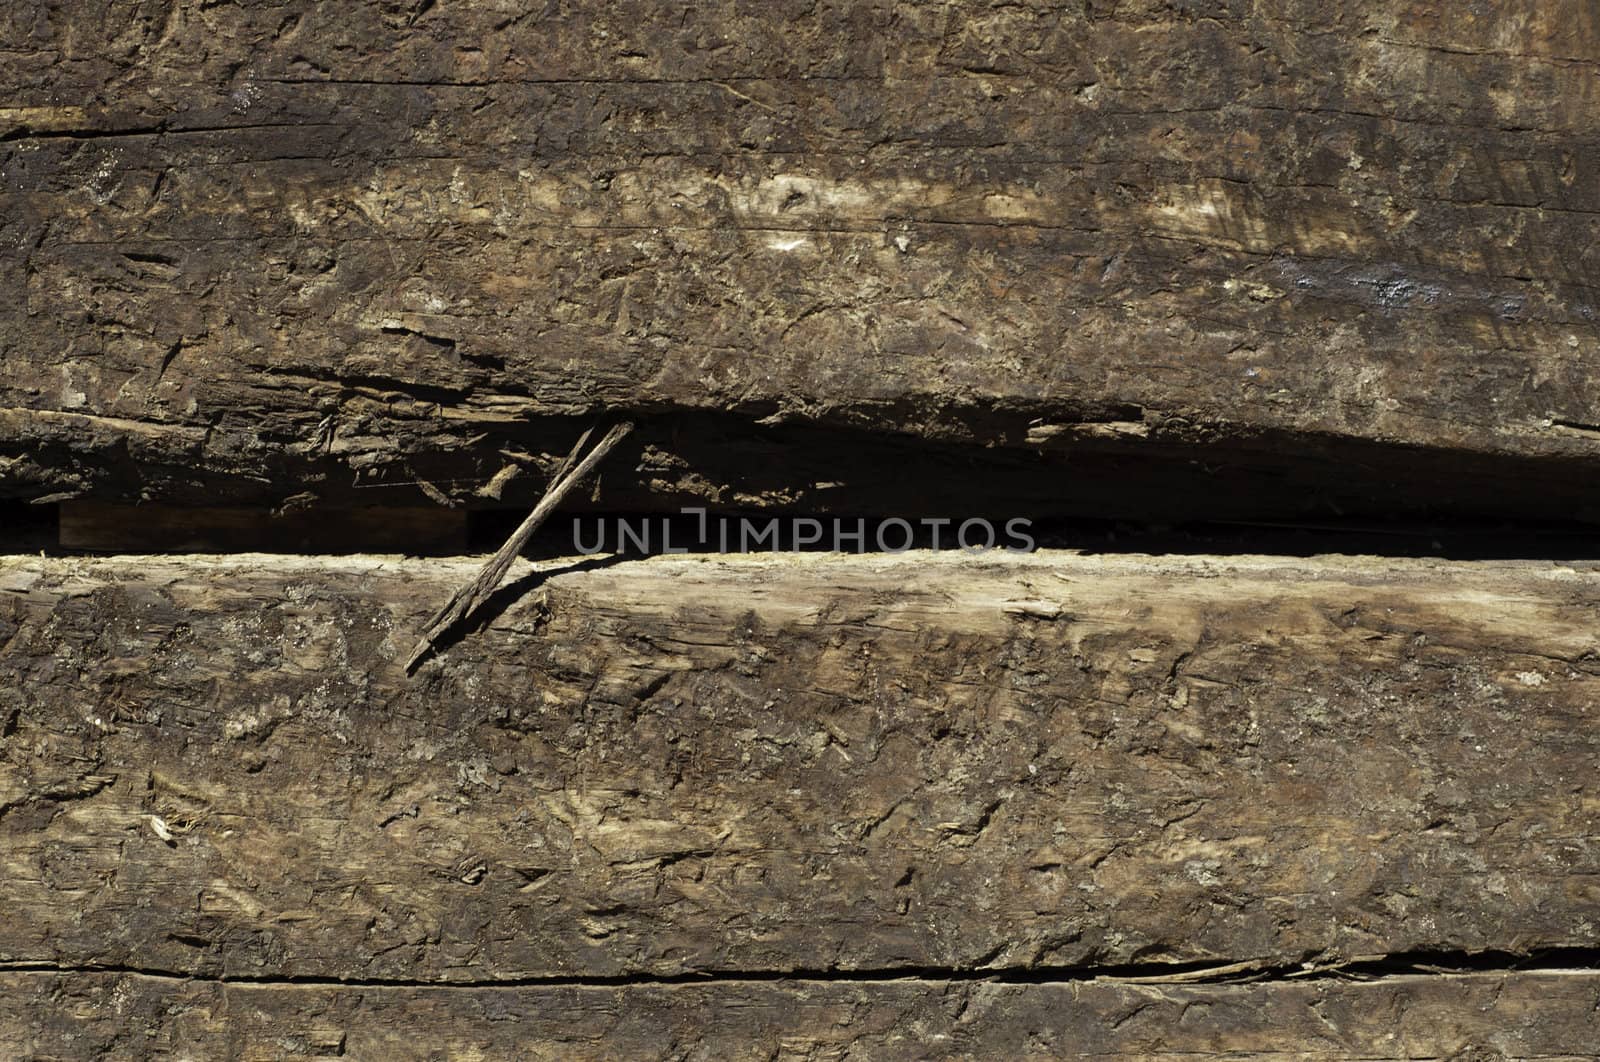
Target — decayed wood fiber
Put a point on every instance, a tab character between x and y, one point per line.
1481	1016
803	762
256	248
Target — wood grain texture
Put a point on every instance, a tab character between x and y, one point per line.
256	247
1485	1016
787	763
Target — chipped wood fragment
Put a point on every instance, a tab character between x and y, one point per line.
577	466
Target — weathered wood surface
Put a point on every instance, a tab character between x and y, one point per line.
255	246
794	763
1483	1016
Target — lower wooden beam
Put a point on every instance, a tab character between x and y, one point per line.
218	766
112	1015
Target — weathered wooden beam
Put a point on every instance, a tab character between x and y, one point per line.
316	246
793	762
110	1015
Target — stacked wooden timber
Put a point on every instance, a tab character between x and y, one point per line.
835	803
275	267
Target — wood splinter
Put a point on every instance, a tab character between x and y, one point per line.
464	601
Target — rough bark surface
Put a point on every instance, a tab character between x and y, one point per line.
1485	1016
654	767
260	248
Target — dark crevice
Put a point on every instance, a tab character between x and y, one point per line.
1107	479
148	258
26	528
438	342
1578	426
1421	963
28	133
623	533
430	393
34	529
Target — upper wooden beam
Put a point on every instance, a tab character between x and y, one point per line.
272	249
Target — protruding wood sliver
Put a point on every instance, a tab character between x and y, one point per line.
569	474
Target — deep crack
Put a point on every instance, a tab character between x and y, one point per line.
1419	963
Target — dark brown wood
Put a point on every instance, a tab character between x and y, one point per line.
793	762
290	247
1272	261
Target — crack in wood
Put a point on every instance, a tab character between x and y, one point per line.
1410	964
